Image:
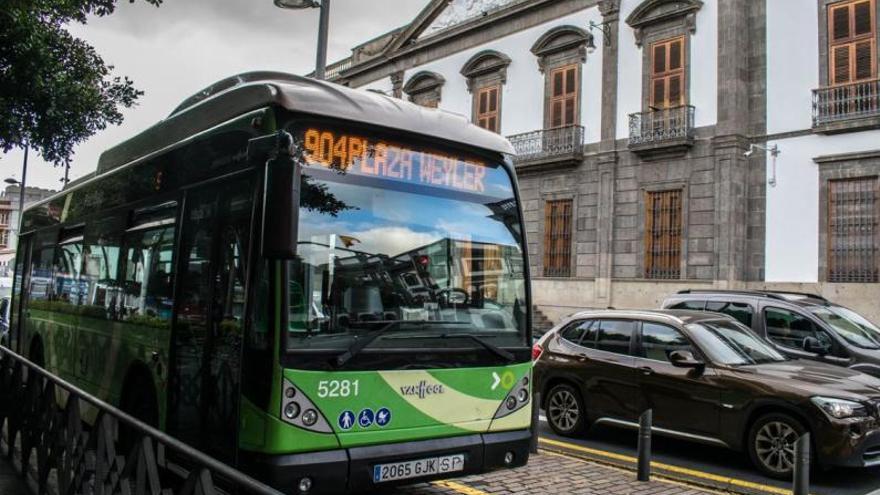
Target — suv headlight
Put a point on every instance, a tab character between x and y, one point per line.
840	408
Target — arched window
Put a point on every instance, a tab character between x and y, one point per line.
561	53
424	88
486	73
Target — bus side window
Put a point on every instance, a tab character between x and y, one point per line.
68	289
101	249
149	272
41	277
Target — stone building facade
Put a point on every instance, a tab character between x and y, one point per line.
641	128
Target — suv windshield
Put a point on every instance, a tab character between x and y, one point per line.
433	256
726	342
853	327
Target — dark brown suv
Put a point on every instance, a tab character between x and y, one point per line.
708	379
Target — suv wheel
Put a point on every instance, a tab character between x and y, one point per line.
565	410
771	444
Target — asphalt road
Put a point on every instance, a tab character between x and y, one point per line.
718	461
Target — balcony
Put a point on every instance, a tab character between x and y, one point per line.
662	131
549	149
847	107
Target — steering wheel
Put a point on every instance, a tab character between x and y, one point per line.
452	295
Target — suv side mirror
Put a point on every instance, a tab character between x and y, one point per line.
685	359
812	344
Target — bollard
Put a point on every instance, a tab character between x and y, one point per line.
644	467
536	408
802	465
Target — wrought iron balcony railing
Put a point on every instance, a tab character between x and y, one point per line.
661	125
548	143
849	101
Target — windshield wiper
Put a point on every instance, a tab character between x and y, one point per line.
360	344
504	354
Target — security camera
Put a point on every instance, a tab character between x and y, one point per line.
750	152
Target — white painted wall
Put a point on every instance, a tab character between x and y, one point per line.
522	105
792	64
792	247
703	68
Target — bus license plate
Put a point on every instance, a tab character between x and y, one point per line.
421	467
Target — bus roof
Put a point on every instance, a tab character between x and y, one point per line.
236	95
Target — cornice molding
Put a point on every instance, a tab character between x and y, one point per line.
651	12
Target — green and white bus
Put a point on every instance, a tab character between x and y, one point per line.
325	287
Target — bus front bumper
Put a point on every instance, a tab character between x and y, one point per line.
351	470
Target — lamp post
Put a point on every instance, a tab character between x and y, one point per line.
323	27
20	184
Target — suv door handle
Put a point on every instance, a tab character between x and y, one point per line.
582	357
647	371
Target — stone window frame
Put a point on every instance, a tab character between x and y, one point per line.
486	69
661	20
425	88
833	167
824	57
661	186
572	196
559	47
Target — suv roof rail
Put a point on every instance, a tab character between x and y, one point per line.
743	292
795	293
773	294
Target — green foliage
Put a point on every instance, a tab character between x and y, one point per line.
55	90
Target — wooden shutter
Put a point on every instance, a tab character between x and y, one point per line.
488	105
852	230
852	42
668	73
663	223
564	96
557	238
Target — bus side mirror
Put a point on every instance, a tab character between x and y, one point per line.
281	193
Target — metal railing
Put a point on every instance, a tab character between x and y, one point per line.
850	101
87	460
657	126
548	143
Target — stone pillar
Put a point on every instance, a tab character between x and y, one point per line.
610	10
397	84
606	166
731	142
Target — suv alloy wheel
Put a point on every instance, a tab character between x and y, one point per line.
771	444
565	410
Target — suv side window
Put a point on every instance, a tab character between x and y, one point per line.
658	341
614	336
741	311
789	329
693	305
575	331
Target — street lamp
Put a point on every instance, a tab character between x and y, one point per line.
323	25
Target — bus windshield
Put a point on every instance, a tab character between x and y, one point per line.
437	254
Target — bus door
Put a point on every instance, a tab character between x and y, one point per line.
210	316
19	294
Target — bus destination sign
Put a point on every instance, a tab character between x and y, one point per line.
379	158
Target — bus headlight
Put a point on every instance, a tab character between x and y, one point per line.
294	402
291	410
516	399
310	417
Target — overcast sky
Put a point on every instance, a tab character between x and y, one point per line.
173	51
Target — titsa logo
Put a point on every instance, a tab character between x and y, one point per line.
422	390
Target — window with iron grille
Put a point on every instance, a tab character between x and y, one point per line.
564	96
852	230
557	238
852	43
663	224
488	103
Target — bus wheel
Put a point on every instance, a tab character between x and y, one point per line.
139	401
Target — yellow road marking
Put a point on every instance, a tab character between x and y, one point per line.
669	467
460	488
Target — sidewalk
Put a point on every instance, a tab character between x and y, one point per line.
10	482
551	473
